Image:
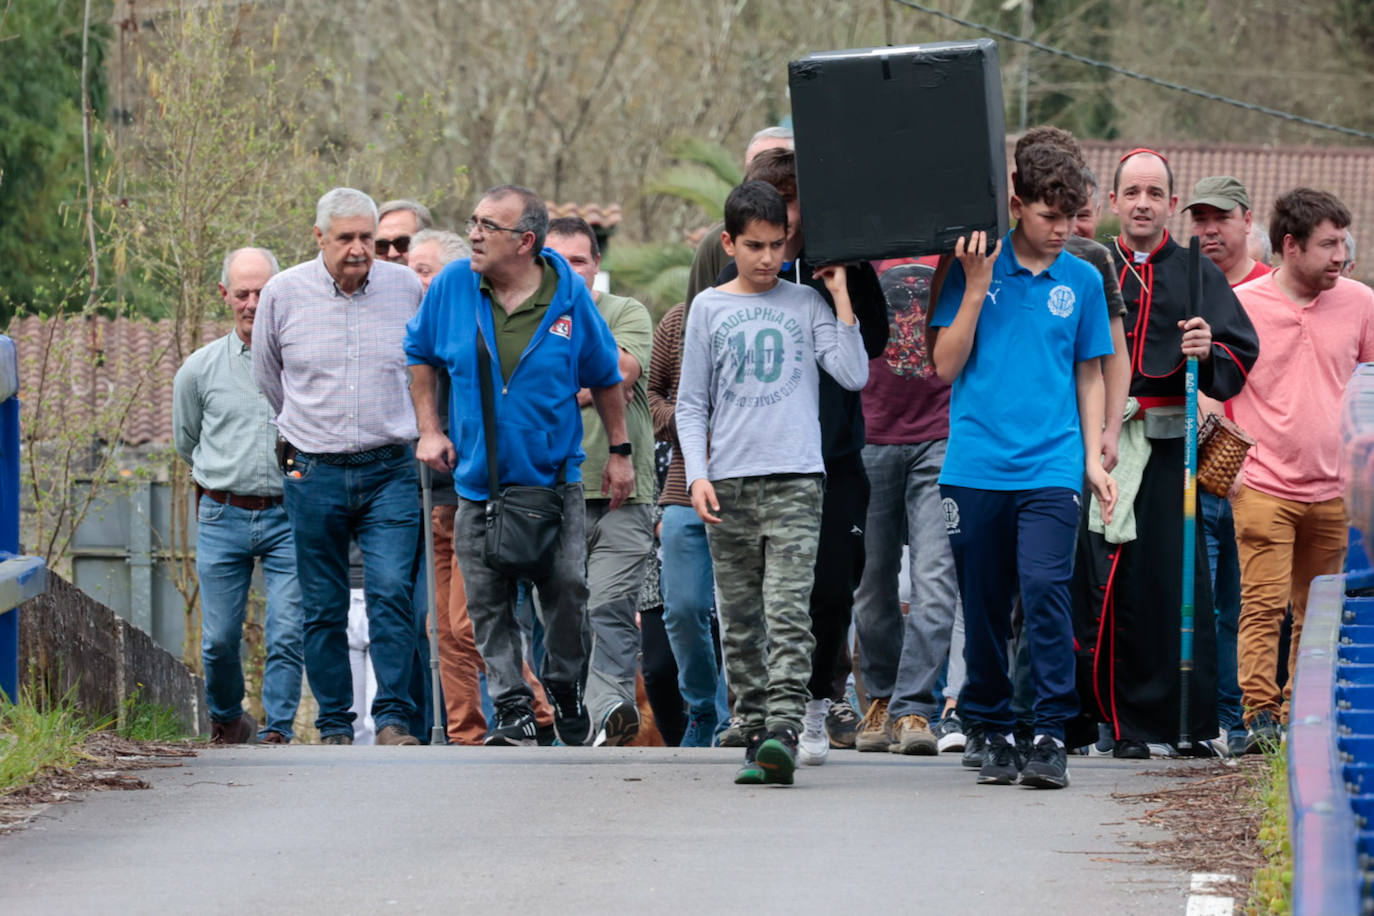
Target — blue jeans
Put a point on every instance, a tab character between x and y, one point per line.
228	541
688	606
378	505
1224	562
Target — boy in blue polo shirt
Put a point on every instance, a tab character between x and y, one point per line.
1021	330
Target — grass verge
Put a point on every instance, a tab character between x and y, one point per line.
36	735
1271	892
147	721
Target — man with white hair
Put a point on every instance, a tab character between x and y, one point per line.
431	249
327	355
222	427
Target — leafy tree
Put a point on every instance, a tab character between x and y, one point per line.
656	272
41	226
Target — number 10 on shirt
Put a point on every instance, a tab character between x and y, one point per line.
765	369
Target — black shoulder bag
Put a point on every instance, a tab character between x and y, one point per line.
523	523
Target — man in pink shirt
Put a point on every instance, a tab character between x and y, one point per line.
1314	328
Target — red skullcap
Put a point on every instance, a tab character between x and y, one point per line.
1144	149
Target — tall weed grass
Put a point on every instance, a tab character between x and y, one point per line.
37	735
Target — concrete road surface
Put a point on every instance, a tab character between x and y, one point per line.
580	830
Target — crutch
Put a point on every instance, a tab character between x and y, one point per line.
436	734
1185	619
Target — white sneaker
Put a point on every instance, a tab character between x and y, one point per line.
813	745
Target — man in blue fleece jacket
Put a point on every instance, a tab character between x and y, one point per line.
546	340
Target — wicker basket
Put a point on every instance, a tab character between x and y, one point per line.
1221	448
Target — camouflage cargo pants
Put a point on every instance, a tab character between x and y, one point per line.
764	552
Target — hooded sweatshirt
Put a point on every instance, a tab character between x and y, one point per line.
538	423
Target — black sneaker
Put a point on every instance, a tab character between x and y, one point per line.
751	774
1127	749
841	724
619	727
570	721
733	734
1025	739
1263	734
975	746
949	733
1001	762
1105	743
1048	766
1236	741
514	726
777	756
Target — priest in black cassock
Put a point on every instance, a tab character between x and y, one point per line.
1128	596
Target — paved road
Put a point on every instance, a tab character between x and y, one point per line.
575	830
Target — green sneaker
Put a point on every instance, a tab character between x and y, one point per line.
777	755
751	773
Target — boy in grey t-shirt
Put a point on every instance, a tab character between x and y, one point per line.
749	382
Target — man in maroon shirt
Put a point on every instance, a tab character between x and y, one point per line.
906	417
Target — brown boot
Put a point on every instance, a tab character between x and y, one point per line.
912	735
396	734
243	730
274	738
875	731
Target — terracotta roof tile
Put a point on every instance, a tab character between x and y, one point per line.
99	374
607	216
1266	172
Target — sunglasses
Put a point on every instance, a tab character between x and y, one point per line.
400	242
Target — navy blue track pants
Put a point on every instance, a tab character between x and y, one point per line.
1001	538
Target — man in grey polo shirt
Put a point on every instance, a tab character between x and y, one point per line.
327	355
223	428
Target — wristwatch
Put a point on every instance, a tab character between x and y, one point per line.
621	449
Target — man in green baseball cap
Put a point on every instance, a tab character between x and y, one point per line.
1220	211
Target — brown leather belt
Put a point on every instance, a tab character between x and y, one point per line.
252	503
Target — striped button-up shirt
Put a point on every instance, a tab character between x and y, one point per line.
221	423
331	364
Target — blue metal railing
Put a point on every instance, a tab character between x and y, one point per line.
21	577
1326	874
1331	722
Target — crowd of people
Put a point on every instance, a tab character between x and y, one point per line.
955	482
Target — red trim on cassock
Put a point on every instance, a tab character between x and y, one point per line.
1146	274
1148	402
1243	374
1107	603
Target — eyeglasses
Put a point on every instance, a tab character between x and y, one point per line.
487	225
400	242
